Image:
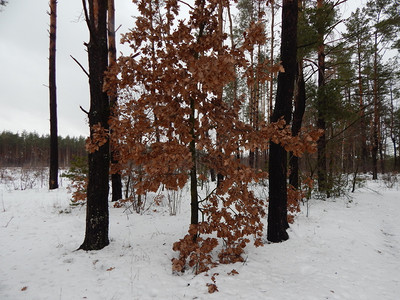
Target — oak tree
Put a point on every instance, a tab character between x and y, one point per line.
277	209
172	117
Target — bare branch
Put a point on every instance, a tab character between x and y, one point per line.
5	226
191	7
339	2
79	64
82	109
86	16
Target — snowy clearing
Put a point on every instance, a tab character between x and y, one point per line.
342	250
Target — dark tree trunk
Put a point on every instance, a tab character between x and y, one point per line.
96	236
394	153
277	209
116	182
194	202
364	151
212	175
392	125
381	155
375	133
321	124
251	159
271	83
53	177
300	106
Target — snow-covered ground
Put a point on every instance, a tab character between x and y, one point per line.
342	250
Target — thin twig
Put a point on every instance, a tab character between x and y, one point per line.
79	64
191	7
8	222
208	196
83	110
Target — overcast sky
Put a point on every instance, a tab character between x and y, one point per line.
24	51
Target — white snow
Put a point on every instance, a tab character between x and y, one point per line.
342	250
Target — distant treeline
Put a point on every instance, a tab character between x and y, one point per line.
32	150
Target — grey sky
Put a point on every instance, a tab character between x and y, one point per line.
24	54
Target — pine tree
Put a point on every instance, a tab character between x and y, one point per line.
357	34
53	177
253	11
321	16
383	20
324	22
96	235
116	182
304	47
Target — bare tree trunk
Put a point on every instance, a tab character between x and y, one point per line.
97	215
252	106
300	105
321	124
271	83
112	57
53	177
194	203
235	83
375	134
364	151
392	134
382	155
277	209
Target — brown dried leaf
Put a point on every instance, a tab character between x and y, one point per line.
212	288
233	272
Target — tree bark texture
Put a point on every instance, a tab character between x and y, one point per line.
97	215
271	83
375	133
277	209
321	124
299	109
53	176
194	202
364	150
116	181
